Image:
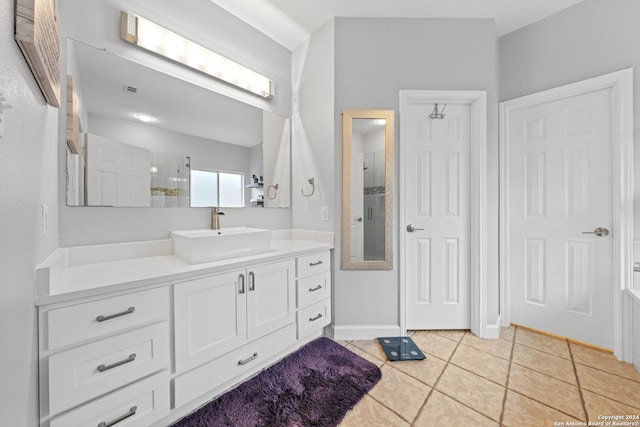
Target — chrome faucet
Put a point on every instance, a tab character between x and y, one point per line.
215	218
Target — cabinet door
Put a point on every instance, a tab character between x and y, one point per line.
210	318
270	298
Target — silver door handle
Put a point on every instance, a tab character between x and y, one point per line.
411	228
599	231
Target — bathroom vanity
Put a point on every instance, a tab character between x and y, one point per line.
133	333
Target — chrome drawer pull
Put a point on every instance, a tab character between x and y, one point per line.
252	281
313	264
313	319
102	367
317	288
102	318
131	413
248	359
241	280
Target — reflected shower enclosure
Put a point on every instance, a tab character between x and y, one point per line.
367	189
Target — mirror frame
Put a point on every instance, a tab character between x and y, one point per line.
347	131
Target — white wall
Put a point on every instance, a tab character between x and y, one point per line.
97	23
592	38
28	176
375	58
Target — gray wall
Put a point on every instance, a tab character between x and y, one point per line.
594	37
374	59
312	124
28	173
97	23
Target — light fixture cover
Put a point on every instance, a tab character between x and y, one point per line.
150	36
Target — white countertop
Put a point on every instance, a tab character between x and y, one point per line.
71	273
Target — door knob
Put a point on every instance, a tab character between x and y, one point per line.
411	228
359	219
599	231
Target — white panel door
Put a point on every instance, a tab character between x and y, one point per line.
437	200
118	174
560	188
270	298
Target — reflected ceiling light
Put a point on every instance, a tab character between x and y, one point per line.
380	122
145	118
147	35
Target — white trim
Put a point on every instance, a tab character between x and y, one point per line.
478	194
621	83
493	329
363	332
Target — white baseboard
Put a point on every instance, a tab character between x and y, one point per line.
362	332
492	331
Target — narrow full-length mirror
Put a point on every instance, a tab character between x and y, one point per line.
139	137
367	188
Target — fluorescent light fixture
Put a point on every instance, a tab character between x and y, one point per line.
150	36
145	118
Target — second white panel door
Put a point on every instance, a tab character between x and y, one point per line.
560	184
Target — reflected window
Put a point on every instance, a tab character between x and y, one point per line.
215	188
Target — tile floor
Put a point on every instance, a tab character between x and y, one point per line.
522	379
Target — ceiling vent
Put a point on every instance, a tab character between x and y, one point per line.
131	90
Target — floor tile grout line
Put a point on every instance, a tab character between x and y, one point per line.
506	384
477	374
435	383
571	358
545	374
444	394
549	376
386	362
542	403
575	372
541	350
607	372
613	399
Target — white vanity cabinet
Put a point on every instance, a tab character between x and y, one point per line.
131	336
215	316
313	289
111	353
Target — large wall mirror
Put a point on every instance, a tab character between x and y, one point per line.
144	138
367	189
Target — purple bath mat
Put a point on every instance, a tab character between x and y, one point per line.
315	386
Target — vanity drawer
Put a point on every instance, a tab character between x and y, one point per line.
312	264
144	402
86	372
314	318
313	288
75	323
231	365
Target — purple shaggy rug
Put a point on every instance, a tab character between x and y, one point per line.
315	386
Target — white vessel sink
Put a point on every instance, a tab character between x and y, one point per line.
197	246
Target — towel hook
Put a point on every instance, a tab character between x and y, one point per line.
435	115
275	191
311	181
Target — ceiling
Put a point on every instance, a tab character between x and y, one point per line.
290	22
